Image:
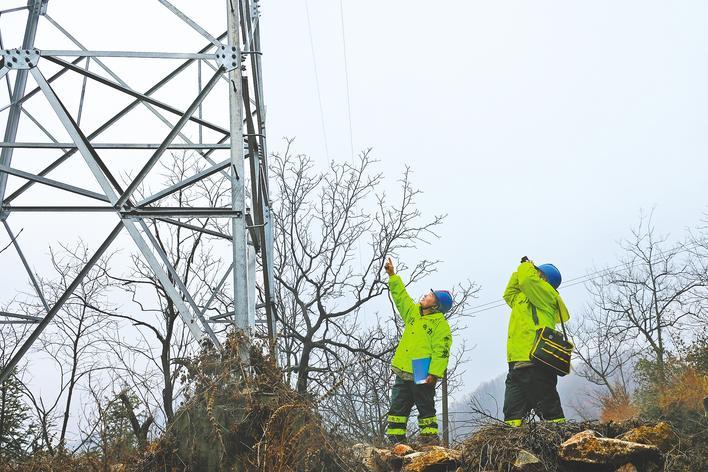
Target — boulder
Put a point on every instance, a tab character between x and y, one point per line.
432	459
527	462
661	435
401	450
374	459
588	447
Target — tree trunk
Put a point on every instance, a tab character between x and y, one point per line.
303	368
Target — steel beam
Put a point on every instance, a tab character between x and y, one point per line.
147	105
147	212
13	119
91	158
107	124
21	317
246	111
53	183
180	284
35	90
198	229
217	289
123	146
193	24
133	93
185	183
138	179
126	54
238	194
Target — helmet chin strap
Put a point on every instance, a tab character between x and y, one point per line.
433	306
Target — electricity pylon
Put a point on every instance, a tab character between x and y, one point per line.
234	58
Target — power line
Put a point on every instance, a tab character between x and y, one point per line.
317	78
346	78
570	282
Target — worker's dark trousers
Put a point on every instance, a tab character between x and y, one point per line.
531	388
404	395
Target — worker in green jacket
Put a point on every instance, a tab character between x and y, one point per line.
426	335
530	386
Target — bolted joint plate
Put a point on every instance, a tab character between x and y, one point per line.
227	56
40	5
20	58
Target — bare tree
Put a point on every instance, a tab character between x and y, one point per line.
73	342
325	278
606	354
334	229
641	305
151	362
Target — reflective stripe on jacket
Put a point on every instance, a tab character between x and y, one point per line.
525	286
423	336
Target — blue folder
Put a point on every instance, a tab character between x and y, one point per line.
420	369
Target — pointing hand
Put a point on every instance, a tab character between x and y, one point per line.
388	267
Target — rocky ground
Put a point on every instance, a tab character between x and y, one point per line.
591	447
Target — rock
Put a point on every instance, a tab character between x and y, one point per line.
627	468
433	459
588	447
527	462
374	459
661	435
402	450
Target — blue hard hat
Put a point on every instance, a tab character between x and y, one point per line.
444	300
552	274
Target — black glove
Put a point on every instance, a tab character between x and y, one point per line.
524	259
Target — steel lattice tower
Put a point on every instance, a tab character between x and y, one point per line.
233	57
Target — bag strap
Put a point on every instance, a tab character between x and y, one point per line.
534	315
560	315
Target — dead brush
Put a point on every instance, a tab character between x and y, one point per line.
245	418
495	446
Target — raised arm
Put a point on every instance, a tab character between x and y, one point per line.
404	303
538	291
512	290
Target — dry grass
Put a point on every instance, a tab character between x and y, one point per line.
687	390
618	408
245	419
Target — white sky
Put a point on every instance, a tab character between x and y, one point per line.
540	128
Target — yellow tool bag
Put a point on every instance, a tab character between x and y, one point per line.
551	348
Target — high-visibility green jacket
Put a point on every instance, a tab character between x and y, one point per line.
424	335
526	286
